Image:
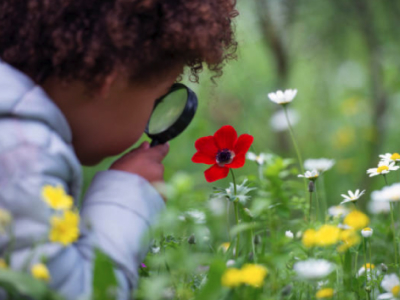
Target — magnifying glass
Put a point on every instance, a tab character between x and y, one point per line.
172	113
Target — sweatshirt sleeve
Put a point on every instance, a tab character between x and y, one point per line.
118	210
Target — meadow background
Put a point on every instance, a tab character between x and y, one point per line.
344	59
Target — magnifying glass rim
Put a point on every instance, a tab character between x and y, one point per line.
182	121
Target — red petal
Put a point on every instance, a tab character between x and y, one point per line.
238	162
201	158
243	144
225	137
215	173
207	146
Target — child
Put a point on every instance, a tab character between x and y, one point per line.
78	81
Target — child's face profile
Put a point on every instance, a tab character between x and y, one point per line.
113	118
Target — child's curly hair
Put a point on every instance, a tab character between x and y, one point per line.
87	39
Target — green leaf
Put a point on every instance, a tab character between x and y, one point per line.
104	281
212	288
25	285
243	227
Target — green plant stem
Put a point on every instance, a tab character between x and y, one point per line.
365	259
317	211
309	212
295	145
384	177
370	261
324	201
260	172
235	204
253	246
394	235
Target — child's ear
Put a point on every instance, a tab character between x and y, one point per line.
105	87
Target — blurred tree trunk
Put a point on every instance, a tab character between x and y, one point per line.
275	42
379	95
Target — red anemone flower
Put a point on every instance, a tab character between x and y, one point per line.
223	150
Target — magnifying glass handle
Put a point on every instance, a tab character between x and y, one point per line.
154	142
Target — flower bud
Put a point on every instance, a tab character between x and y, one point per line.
311	186
368	289
192	239
367	232
384	268
286	290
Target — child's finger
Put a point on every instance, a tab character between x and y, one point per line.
143	146
159	152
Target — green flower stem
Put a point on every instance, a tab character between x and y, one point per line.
253	246
317	211
394	235
370	261
310	208
324	201
365	261
384	177
295	144
260	172
235	204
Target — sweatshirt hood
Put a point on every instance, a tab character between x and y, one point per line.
22	98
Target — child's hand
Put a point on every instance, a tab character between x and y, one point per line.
144	161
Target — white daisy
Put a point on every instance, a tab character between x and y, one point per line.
280	97
367	232
279	122
391	284
388	193
390	157
338	211
370	269
352	197
195	215
383	168
312	175
377	207
321	164
260	159
289	234
313	268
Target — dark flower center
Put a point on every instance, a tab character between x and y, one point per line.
225	156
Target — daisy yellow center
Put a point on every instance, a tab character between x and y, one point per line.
367	229
396	290
225	156
369	266
395	156
382	168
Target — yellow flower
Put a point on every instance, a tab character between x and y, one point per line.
327	235
326	293
231	278
349	238
41	272
309	238
253	274
56	197
65	230
3	264
356	220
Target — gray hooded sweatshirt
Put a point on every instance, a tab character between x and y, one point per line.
36	150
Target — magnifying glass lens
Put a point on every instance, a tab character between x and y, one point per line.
168	111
